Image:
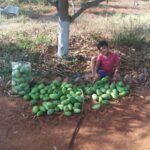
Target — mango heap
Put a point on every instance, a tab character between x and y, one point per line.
68	98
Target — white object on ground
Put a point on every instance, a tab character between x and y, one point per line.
1	10
10	10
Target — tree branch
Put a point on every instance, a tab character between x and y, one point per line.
84	7
73	7
53	3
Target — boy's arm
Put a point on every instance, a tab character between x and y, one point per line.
96	67
116	69
116	75
96	75
116	64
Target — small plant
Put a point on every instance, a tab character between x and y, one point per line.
42	39
96	36
25	43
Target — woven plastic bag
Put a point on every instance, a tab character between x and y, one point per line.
21	77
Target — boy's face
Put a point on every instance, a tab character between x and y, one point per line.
105	50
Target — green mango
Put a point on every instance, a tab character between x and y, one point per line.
105	102
41	86
67	113
108	91
112	86
56	83
105	79
50	111
120	83
98	92
100	99
114	95
77	105
54	96
120	89
39	113
106	86
66	108
26	97
45	105
35	96
70	107
77	110
105	96
123	93
80	98
103	90
35	109
33	102
42	91
61	107
46	98
96	106
42	108
66	102
94	97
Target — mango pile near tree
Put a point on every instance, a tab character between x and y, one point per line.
68	98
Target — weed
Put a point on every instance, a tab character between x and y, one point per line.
42	39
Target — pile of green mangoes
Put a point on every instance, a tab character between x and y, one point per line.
21	77
103	91
68	98
55	97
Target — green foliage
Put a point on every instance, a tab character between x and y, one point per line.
40	39
25	43
131	38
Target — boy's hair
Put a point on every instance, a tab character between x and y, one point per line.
101	44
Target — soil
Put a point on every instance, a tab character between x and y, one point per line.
124	126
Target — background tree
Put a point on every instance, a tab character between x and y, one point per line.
65	19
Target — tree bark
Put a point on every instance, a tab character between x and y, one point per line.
84	7
63	27
63	39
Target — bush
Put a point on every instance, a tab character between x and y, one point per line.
132	37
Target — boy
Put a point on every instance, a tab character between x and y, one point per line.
106	63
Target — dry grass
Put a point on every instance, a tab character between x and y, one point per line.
93	21
111	26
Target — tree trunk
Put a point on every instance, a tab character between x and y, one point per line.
64	24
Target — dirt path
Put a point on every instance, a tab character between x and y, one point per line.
125	126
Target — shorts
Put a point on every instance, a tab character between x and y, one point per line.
102	73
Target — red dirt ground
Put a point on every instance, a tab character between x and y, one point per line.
124	126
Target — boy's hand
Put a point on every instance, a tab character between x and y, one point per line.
95	77
116	77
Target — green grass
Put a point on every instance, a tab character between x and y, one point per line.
131	38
